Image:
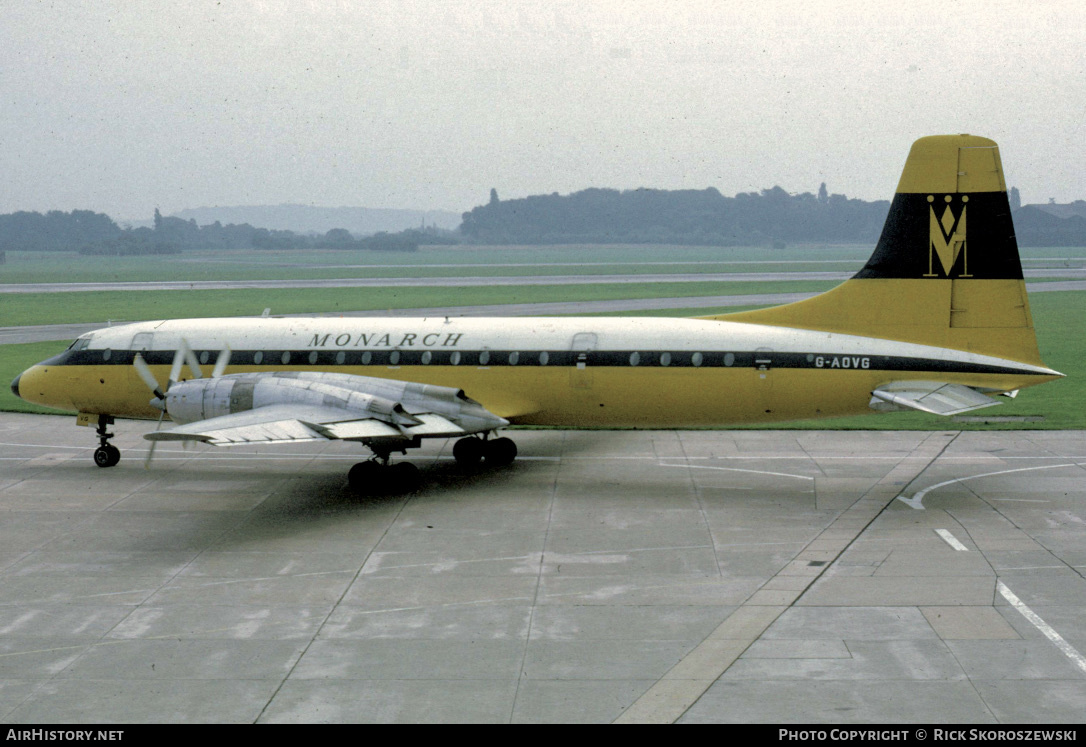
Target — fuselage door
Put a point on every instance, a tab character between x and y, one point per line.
142	341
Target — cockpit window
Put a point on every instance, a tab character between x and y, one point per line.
79	344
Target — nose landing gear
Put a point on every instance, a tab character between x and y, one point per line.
106	455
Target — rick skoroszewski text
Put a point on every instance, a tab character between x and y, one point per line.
64	735
935	735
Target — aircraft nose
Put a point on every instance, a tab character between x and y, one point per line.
15	385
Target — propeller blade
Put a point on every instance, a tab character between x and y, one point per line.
221	363
190	358
178	362
149	379
151	451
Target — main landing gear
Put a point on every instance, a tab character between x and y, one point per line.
379	477
106	455
468	452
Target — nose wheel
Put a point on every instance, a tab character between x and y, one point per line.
106	455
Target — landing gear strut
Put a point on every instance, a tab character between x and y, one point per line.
106	455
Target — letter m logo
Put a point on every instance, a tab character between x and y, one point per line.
946	240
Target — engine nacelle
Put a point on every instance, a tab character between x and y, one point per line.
200	399
358	396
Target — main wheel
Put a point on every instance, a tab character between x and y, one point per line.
501	451
404	477
107	455
367	477
468	451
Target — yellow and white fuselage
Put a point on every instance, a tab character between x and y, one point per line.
595	371
937	320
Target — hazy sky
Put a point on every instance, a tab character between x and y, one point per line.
121	106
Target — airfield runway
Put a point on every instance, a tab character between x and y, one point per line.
631	576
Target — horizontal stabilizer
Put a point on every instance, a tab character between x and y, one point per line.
935	397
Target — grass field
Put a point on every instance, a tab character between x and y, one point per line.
102	306
1058	316
42	267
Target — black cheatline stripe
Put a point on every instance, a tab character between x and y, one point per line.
549	358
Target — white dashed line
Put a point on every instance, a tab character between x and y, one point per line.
951	540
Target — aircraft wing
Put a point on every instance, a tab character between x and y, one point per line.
937	397
292	423
293	406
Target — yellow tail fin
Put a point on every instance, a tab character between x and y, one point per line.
945	271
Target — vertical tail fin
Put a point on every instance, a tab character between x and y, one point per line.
945	271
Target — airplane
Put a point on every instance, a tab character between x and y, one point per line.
936	321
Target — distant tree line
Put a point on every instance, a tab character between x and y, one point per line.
771	217
55	230
654	216
97	234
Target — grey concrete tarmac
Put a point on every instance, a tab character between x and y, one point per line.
631	576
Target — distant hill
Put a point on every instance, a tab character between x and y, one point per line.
1036	226
310	219
1062	210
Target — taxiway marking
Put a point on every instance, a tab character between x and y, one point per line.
951	540
1049	633
918	497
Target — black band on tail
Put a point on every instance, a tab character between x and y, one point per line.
947	236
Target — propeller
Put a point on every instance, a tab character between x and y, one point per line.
182	356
